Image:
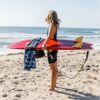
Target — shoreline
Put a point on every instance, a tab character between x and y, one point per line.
7	51
18	84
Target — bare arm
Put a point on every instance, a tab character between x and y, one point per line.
51	32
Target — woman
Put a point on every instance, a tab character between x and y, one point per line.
53	21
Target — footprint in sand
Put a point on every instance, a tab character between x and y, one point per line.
4	95
18	95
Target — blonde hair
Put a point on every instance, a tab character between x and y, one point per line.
52	18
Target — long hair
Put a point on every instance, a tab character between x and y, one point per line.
52	18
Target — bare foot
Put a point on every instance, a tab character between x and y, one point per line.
51	89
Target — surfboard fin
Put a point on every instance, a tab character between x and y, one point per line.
78	45
79	39
78	42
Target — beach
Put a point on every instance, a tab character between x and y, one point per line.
19	84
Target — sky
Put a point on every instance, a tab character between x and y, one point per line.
73	13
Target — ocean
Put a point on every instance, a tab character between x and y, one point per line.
10	35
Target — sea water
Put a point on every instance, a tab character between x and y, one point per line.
10	35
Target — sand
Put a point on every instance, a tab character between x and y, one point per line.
19	84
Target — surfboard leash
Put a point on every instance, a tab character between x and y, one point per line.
82	67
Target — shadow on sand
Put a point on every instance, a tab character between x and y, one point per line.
76	95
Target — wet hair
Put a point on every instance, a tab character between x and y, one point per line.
52	18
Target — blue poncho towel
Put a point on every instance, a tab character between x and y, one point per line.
29	55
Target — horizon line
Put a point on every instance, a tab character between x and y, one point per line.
46	27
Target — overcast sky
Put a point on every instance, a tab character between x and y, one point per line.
73	13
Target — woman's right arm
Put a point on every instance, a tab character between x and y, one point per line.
51	32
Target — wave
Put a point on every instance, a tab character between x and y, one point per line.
20	35
74	36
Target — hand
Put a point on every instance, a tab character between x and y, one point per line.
44	46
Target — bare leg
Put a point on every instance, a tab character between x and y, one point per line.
54	75
55	72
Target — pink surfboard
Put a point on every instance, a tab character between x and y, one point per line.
55	45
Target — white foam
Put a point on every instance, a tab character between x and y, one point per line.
20	35
9	51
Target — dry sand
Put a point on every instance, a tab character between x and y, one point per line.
19	84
